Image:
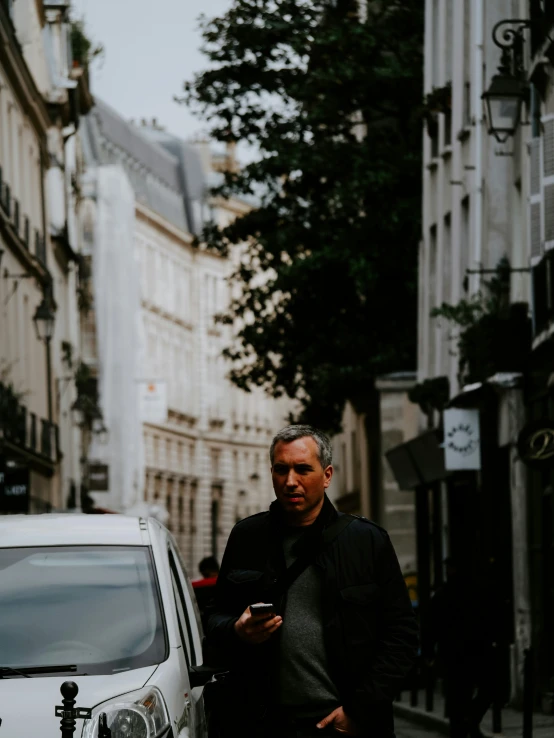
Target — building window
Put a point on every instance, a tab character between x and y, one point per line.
192	526
448	128
432	287
169	510
217	495
465	244
181	508
467	105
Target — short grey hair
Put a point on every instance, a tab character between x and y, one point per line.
294	432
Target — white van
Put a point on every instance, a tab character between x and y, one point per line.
103	601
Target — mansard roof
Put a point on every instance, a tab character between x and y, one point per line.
167	179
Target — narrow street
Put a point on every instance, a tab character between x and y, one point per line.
405	729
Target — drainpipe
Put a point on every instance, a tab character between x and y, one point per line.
478	31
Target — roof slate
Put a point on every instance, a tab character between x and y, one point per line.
164	179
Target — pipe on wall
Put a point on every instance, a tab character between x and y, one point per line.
478	60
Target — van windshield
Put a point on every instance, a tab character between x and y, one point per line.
95	607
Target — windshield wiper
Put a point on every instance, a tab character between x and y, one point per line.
9	670
27	671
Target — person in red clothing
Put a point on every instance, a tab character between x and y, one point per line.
204	588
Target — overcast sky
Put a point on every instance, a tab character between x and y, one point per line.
152	46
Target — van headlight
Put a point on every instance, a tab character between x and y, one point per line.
140	714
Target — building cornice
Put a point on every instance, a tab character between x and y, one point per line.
17	71
225	438
232	205
164	225
164	315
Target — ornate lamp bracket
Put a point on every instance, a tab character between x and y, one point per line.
508	35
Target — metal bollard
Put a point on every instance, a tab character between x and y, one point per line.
429	688
68	712
528	694
496	703
103	730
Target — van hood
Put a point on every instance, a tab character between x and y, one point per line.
27	706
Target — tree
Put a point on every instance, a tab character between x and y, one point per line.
332	103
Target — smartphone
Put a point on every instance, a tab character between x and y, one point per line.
262	608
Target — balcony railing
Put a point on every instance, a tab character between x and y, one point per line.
11	208
19	426
16	216
6	199
46	438
40	247
33	432
26	231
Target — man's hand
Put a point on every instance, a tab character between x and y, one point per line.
256	628
340	722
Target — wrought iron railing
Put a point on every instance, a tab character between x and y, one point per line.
11	208
425	689
6	199
19	426
33	432
16	215
40	247
26	231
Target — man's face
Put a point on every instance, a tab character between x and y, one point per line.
299	480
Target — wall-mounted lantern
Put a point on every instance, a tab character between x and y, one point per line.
508	88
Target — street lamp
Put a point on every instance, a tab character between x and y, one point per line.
78	413
44	326
503	105
508	88
44	321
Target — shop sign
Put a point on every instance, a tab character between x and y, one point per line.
462	442
535	443
153	400
14	492
98	478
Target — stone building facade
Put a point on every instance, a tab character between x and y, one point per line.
476	245
41	93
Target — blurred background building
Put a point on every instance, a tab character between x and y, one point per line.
199	458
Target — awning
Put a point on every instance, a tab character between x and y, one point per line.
418	462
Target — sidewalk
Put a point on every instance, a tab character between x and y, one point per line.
512	720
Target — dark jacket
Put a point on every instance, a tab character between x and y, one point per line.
371	633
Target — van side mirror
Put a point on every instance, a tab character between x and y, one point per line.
200	675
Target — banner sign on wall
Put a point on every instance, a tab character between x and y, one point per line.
535	443
98	477
462	441
153	400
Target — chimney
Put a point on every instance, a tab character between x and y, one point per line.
231	156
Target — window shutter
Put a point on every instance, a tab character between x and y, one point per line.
548	146
547	182
535	216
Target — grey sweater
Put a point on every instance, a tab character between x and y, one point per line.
305	686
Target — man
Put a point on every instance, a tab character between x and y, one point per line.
209	568
330	657
462	622
204	587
